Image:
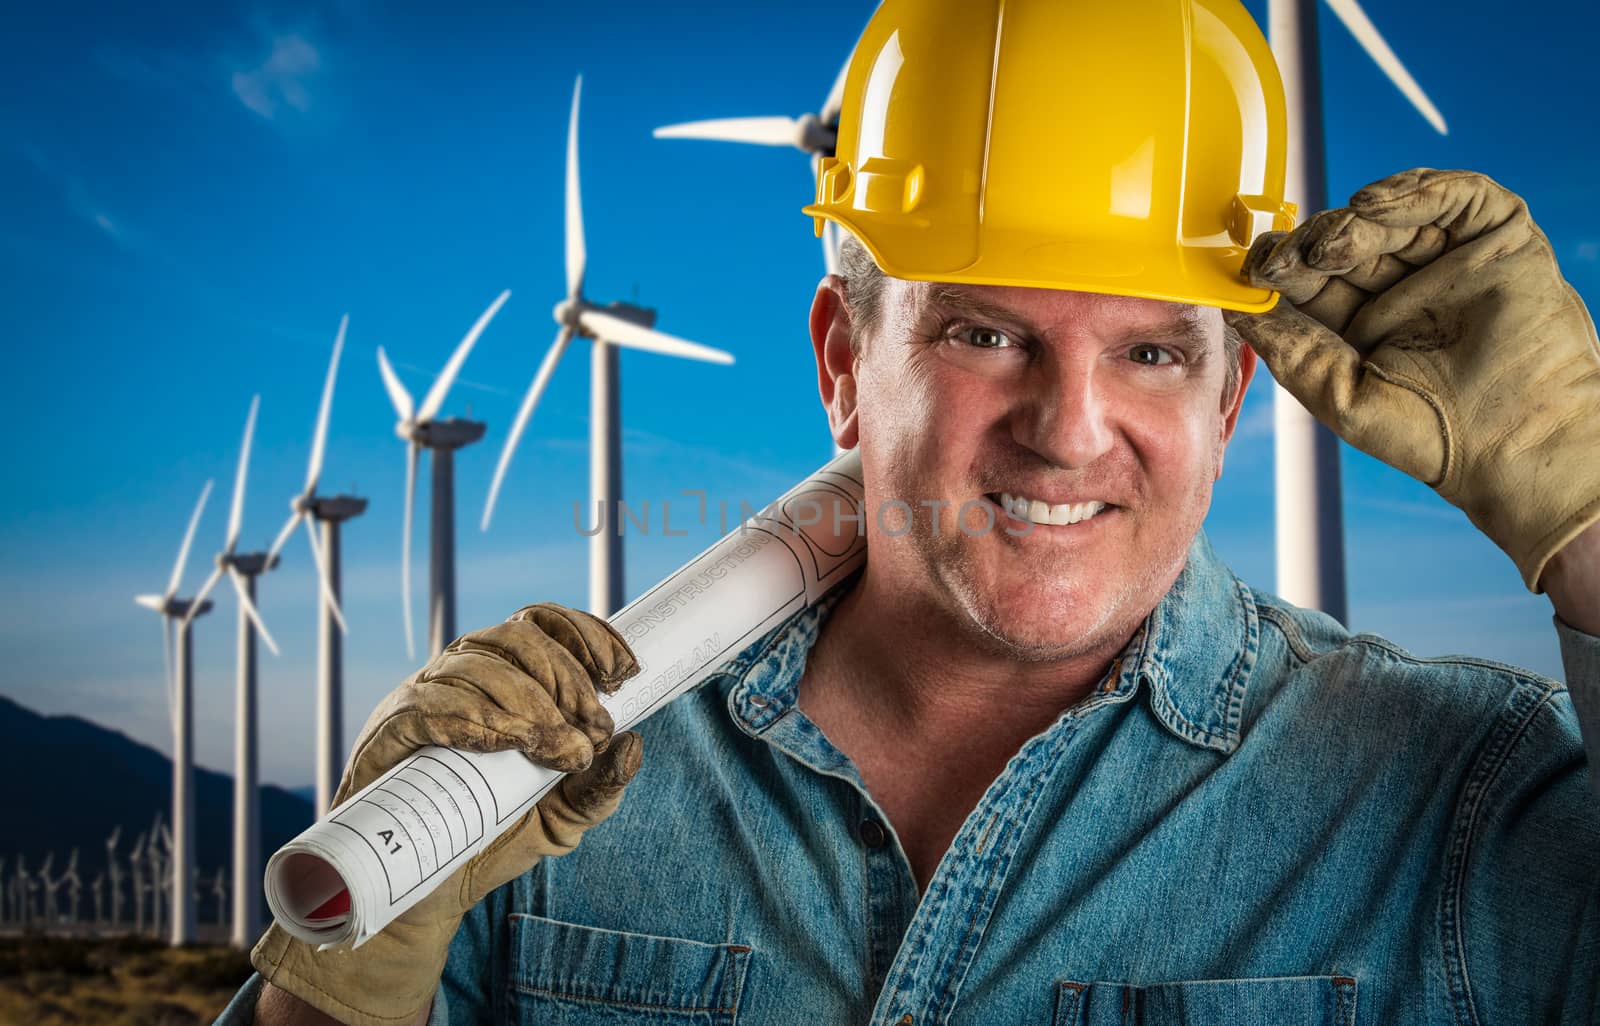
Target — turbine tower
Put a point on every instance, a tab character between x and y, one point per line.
419	430
1310	513
180	705
618	324
329	512
242	570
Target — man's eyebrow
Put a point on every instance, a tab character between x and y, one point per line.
1186	327
973	306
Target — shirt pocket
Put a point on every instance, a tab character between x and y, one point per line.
1280	1001
564	974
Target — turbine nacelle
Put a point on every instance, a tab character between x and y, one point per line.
450	433
247	563
175	608
814	136
569	313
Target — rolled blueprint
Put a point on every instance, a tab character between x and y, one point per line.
388	846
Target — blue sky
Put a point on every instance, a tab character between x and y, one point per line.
193	195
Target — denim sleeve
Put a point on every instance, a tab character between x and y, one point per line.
1520	908
241	1011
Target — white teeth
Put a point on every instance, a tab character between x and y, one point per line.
1042	513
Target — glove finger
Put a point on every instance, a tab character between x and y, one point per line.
540	682
1394	423
594	793
1427	246
1261	251
1356	244
1464	203
1335	305
592	641
556	825
1282	266
418	715
1378	274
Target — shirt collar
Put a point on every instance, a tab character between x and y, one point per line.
1195	652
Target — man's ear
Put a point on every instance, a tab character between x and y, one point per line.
1230	418
836	363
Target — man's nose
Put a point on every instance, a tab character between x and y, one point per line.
1065	416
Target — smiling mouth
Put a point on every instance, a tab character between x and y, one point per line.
1044	514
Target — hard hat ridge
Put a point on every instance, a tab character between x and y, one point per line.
1133	148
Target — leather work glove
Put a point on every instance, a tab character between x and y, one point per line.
526	684
1428	325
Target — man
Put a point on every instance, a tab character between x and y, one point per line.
1047	759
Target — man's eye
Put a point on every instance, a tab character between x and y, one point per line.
1150	355
988	338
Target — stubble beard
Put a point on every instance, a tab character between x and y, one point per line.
952	565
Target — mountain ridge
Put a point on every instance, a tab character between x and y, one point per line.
74	780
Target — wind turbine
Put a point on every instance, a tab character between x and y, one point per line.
329	511
1310	515
180	694
419	430
814	134
50	887
242	570
617	324
114	871
136	860
74	887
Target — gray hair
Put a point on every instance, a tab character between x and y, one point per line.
865	285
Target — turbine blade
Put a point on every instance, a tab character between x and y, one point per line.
200	596
829	114
764	131
577	253
405	558
283	536
325	585
397	392
321	437
250	610
1360	26
626	333
188	538
236	514
540	380
447	377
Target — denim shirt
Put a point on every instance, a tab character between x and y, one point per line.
1255	818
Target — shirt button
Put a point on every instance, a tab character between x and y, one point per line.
872	834
759	701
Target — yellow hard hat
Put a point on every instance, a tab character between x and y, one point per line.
1129	147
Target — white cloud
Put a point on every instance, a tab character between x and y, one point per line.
281	79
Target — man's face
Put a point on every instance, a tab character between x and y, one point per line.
967	395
